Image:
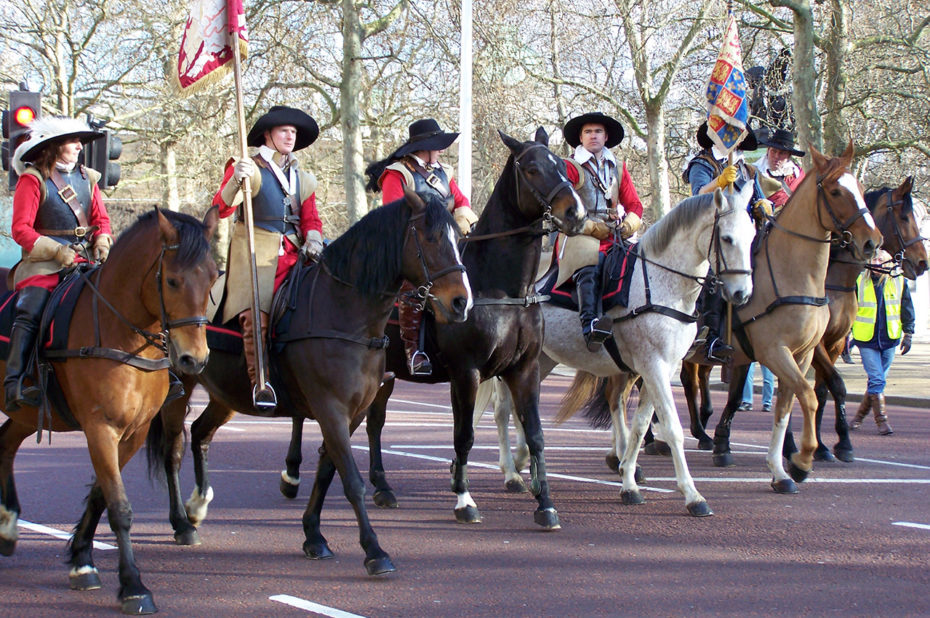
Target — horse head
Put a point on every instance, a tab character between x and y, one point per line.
839	195
894	214
731	243
543	190
183	276
432	261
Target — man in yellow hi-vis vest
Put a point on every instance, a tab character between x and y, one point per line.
885	318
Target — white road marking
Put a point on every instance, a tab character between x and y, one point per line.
310	606
28	525
910	524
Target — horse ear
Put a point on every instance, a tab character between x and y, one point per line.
210	221
510	142
542	137
168	232
820	161
848	154
719	200
907	185
414	200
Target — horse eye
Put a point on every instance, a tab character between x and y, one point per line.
727	239
835	192
173	283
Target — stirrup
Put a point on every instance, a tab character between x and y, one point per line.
717	351
175	387
264	400
420	364
29	396
600	330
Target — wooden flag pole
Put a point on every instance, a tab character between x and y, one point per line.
262	390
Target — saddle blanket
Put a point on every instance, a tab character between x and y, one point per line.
616	276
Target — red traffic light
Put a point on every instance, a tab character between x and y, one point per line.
23	116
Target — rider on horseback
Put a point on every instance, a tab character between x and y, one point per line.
286	220
416	164
57	208
705	172
609	196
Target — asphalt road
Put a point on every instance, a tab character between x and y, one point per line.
855	540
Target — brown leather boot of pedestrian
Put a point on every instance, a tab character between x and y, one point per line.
864	406
264	399
410	317
878	409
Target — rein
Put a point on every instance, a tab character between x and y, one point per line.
902	244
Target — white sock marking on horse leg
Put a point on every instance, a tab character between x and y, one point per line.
196	505
8	519
290	480
464	500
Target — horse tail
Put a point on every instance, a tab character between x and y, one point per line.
486	390
374	171
585	390
156	447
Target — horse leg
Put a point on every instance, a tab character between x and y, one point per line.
171	419
11	436
377	414
629	493
690	382
791	383
707	406
823	368
463	392
524	388
619	429
722	456
503	412
315	545
214	416
108	459
290	476
843	448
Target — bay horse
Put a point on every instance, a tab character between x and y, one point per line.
141	310
892	209
332	360
657	327
504	332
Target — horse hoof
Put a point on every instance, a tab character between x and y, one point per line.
467	515
784	486
138	605
631	497
379	566
7	547
823	454
289	490
658	447
317	551
547	518
724	460
84	578
699	509
188	537
705	444
797	473
844	455
613	462
385	499
515	486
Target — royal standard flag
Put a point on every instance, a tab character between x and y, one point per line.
727	108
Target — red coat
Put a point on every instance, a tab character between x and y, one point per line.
628	197
392	188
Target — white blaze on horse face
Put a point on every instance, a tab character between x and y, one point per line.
848	182
580	211
453	240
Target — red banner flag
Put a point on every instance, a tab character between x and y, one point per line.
205	45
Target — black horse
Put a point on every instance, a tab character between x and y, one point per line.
332	360
503	334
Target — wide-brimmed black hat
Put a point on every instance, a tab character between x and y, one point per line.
572	128
279	115
749	142
782	139
425	134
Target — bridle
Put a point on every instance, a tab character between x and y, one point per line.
423	292
845	236
902	244
719	257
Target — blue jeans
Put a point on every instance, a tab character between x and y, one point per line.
876	364
768	385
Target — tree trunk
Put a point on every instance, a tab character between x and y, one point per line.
836	132
660	203
169	168
804	76
353	162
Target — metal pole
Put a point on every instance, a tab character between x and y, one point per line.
465	101
262	386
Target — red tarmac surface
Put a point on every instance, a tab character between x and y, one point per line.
856	539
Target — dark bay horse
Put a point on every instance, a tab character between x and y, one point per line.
892	209
503	335
331	370
147	306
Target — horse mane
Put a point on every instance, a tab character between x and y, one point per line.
379	238
505	182
684	215
192	244
872	197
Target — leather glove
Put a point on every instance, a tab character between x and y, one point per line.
906	343
631	224
244	168
65	255
727	177
101	248
312	247
762	210
598	229
464	217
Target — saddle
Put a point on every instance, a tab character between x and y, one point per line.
616	276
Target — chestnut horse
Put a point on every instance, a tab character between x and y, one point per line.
143	308
330	370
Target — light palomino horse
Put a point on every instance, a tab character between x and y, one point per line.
657	328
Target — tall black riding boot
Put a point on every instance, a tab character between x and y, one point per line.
596	329
715	349
29	305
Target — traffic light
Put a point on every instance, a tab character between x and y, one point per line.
24	108
100	154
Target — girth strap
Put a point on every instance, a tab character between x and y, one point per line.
526	301
121	356
374	343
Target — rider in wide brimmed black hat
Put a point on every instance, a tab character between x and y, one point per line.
287	225
778	165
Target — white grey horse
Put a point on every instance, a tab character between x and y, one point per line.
711	230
